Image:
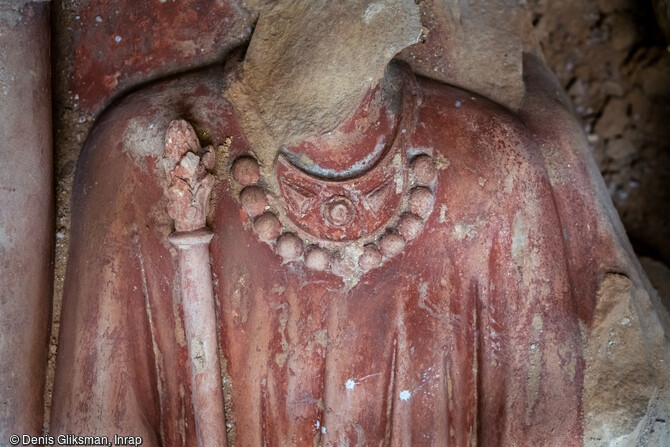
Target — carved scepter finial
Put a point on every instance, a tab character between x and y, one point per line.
188	199
190	180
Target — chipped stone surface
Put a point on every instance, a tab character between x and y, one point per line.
627	386
476	45
290	43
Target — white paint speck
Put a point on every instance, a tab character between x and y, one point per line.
404	130
443	214
405	395
117	39
532	346
98	19
458	103
350	385
323	430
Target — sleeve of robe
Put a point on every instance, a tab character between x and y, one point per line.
624	323
121	348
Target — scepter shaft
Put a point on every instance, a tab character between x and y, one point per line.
200	327
188	200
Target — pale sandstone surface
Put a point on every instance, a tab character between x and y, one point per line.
475	45
304	83
300	77
626	394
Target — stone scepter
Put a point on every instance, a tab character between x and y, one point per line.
188	167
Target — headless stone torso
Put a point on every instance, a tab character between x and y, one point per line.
457	337
468	332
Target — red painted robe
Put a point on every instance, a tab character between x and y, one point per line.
470	336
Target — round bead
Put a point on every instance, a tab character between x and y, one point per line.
245	171
289	247
267	226
421	201
424	170
370	259
342	265
409	226
253	200
391	244
317	258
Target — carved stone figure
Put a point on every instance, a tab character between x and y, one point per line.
393	260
